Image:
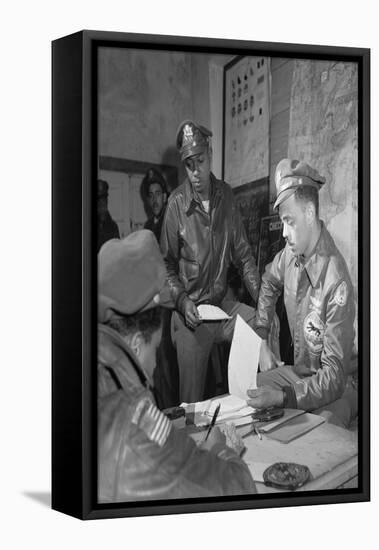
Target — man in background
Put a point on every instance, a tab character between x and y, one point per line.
319	300
141	455
166	373
106	227
202	235
156	194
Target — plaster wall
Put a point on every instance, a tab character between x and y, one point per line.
143	96
324	132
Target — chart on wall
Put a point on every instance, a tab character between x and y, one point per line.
246	120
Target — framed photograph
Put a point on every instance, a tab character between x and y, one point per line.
175	158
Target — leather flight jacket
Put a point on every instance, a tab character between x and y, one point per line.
319	300
198	247
141	455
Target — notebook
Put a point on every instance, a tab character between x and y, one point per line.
295	427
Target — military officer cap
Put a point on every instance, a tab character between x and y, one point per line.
102	189
131	276
292	174
192	139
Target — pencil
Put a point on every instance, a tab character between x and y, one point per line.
215	415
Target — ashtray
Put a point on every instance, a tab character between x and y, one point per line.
286	475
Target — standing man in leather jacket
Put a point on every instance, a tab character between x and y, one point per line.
141	455
202	235
319	300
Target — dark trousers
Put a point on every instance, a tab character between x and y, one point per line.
193	347
166	388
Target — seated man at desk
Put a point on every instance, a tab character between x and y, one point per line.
319	300
141	455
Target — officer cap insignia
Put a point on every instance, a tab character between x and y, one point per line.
187	135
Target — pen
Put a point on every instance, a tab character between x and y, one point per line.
213	421
257	432
254	430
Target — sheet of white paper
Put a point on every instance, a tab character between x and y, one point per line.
246	412
243	359
208	312
200	407
228	404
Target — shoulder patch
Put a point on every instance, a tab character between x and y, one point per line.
340	296
314	330
152	421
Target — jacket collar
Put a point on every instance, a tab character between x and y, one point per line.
112	350
191	199
324	248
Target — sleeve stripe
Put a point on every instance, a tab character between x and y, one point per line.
156	429
163	437
162	428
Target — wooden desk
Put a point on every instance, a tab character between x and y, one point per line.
330	452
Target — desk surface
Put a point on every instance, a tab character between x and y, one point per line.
330	452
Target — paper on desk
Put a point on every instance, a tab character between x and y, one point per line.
243	359
208	312
228	404
231	407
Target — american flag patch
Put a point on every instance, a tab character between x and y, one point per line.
152	422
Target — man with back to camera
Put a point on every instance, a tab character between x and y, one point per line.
141	455
202	235
319	301
156	194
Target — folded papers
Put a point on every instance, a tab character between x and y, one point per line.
208	312
231	407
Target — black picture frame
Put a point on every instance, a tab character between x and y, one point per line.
74	291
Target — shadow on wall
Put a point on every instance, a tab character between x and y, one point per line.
172	169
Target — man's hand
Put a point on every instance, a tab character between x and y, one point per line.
233	439
216	437
267	360
191	315
264	397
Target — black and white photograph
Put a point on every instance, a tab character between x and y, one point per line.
228	274
189	298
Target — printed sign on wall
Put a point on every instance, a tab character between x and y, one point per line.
246	120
